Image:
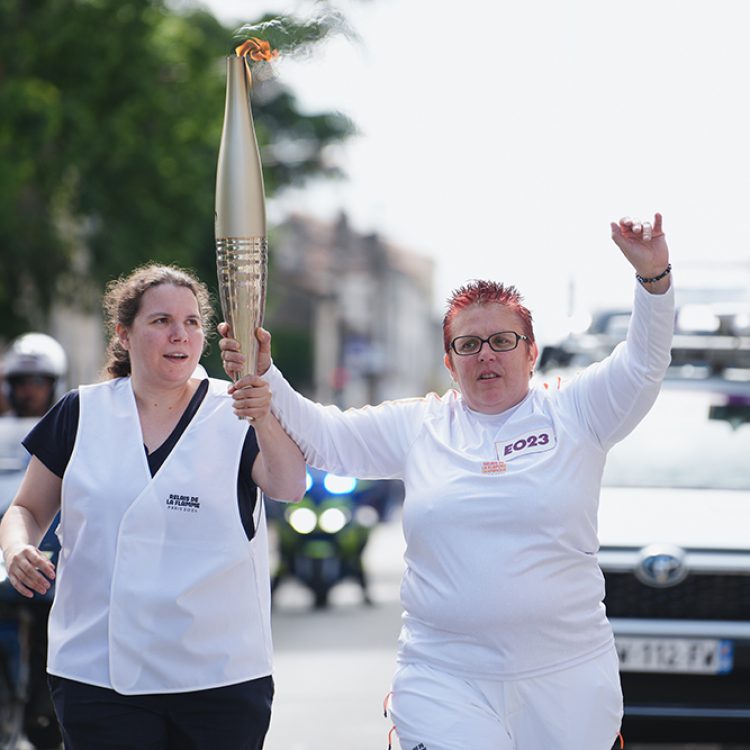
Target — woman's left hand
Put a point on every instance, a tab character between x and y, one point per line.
252	398
643	244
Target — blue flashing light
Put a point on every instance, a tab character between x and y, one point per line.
308	481
336	485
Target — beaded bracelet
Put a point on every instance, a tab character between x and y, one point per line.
664	273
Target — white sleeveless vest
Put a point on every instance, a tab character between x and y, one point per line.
158	588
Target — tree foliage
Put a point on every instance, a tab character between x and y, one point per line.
110	119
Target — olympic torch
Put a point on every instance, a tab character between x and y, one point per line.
240	228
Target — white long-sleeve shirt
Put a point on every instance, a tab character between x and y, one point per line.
500	511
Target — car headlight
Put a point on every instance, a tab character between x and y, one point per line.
302	520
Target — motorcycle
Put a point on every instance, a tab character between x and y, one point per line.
25	705
15	639
322	537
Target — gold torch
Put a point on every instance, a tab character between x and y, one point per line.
241	244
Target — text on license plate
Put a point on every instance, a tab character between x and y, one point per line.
686	655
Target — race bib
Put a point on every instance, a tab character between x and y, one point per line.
536	441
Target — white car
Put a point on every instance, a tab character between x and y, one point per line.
674	527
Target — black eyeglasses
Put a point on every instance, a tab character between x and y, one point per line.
504	341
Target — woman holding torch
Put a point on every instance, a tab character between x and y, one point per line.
505	643
159	637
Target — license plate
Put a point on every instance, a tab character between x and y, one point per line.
683	655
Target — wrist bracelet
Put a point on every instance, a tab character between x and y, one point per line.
664	273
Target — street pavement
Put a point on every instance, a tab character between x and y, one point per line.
333	667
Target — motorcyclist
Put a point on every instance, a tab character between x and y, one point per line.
323	553
34	369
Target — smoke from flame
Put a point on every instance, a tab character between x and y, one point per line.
297	37
256	49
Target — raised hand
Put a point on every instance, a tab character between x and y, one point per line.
232	357
645	247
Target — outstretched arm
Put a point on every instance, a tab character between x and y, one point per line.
613	395
369	443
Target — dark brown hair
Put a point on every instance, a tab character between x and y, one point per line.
122	300
480	292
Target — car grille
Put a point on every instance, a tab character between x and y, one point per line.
698	597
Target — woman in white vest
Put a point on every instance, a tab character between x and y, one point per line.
159	636
505	644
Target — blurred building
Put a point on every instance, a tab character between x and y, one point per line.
351	314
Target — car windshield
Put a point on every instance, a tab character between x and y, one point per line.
678	445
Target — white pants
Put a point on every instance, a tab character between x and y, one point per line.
579	708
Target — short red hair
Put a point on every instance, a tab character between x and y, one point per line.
481	292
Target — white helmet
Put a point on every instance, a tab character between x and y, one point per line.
35	354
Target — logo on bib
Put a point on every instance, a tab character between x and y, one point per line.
184	503
494	467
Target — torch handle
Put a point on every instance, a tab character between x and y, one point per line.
242	266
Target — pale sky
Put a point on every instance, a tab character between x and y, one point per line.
501	138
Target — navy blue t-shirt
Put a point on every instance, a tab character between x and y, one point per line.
53	438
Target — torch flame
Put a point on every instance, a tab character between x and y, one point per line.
256	49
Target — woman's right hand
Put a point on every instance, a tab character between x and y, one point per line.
29	570
232	357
